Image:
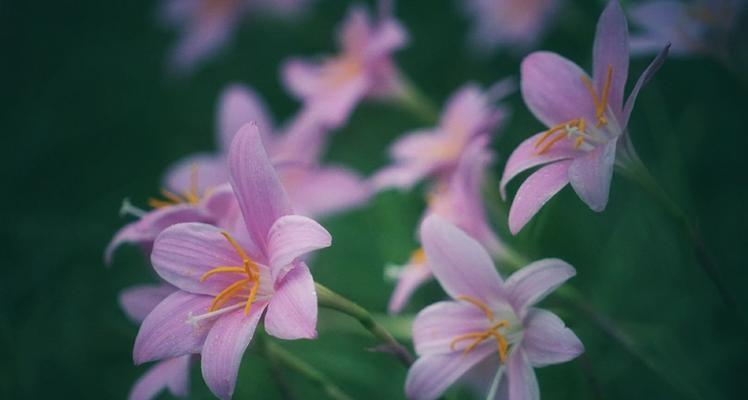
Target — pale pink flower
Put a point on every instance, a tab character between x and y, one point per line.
435	152
693	27
207	26
586	119
517	24
333	86
459	201
487	320
173	373
315	190
226	283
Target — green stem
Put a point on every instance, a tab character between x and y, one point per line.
329	299
634	169
415	101
275	368
283	357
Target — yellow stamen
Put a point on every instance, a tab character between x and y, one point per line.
216	270
483	307
225	295
549	132
600	102
480	337
234	290
156	203
172	196
418	256
560	136
192	195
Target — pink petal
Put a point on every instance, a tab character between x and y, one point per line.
173	373
401	176
535	192
301	78
259	191
526	156
547	340
411	277
166	332
645	77
436	326
326	191
431	375
460	264
466	113
238	106
291	237
224	348
591	174
211	171
292	312
418	144
334	105
201	39
521	380
138	301
388	37
611	49
145	230
535	281
356	29
184	252
303	140
553	89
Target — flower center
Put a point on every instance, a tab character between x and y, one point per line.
578	128
244	289
492	332
191	196
339	70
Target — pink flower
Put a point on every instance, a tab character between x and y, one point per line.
173	373
331	88
517	24
227	283
586	118
216	206
314	189
206	26
696	27
487	320
459	201
435	152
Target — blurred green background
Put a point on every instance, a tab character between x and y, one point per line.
90	116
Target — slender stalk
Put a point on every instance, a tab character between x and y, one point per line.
634	169
415	101
283	357
329	299
275	368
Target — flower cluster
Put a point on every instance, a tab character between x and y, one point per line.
231	234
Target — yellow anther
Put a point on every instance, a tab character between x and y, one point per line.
418	256
600	102
481	305
238	270
480	337
239	288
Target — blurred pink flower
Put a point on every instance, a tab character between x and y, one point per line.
206	26
173	373
460	202
487	320
516	24
314	189
226	283
333	86
696	27
435	152
585	119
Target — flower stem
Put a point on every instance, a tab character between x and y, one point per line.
634	169
411	98
329	299
280	356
